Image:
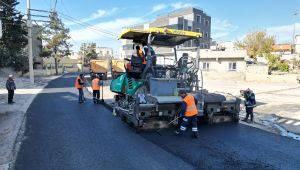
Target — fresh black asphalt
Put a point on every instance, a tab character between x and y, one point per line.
63	134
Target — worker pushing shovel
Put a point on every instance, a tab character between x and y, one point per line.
96	83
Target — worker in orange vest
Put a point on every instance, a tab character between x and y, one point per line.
188	112
140	54
79	84
96	89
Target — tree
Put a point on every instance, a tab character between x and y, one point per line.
55	37
257	43
14	40
275	63
88	51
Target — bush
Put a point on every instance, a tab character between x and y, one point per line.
283	66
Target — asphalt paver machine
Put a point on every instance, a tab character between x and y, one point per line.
147	96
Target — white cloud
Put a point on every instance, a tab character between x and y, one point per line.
158	7
222	28
94	33
178	5
98	14
284	33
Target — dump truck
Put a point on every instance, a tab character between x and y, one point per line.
99	67
147	96
117	67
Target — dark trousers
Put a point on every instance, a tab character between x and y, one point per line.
187	121
81	96
10	95
96	95
249	111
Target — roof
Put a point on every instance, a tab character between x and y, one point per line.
282	47
163	36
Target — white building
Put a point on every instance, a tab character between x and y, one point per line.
104	52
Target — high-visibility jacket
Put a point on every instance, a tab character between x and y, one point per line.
191	108
96	84
77	85
141	54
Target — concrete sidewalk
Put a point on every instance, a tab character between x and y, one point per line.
12	116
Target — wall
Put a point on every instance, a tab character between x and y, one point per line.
222	65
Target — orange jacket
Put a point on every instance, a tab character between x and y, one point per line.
191	108
141	54
96	84
77	85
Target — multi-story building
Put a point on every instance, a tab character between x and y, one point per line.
188	19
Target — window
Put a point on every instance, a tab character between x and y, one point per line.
189	28
198	30
205	66
198	18
232	66
206	34
180	27
207	23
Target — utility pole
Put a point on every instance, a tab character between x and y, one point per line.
82	60
29	26
295	15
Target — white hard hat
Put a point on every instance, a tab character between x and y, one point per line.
10	76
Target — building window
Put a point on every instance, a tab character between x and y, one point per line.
205	66
206	34
232	66
180	27
189	28
198	30
207	23
198	18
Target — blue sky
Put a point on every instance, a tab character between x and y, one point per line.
231	19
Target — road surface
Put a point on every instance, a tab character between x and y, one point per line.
63	134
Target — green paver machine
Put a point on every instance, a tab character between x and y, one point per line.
147	96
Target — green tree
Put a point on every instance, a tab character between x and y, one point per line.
55	39
88	51
14	40
257	43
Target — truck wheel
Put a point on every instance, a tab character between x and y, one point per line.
123	118
235	118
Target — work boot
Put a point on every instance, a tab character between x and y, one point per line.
245	120
176	133
195	135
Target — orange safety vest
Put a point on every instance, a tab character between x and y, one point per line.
95	84
141	54
191	108
77	85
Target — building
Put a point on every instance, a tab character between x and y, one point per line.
104	52
220	61
188	19
282	48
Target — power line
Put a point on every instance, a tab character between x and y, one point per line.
87	24
92	29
